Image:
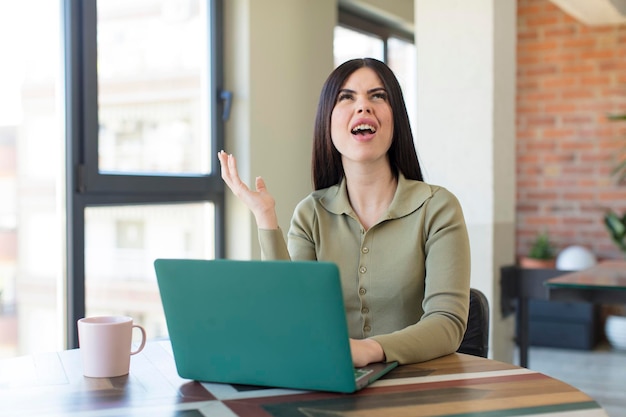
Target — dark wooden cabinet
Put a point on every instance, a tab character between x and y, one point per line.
563	324
541	322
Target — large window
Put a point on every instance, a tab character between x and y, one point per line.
143	83
110	121
154	86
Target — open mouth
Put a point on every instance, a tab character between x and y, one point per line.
363	129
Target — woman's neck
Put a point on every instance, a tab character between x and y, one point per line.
370	192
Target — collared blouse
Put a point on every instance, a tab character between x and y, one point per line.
405	281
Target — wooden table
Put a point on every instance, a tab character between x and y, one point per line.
52	384
604	283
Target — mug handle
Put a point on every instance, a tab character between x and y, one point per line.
143	339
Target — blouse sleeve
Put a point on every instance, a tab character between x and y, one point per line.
273	245
301	242
446	291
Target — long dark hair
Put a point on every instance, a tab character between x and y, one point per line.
326	166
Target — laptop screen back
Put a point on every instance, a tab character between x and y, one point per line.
268	323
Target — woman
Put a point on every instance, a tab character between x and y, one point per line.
401	244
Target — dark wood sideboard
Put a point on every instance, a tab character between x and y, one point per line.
540	322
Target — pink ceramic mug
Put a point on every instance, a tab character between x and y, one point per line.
105	345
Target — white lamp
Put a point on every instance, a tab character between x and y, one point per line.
575	258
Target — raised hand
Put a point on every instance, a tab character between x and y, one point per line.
260	202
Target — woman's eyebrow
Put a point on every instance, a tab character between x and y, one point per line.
370	91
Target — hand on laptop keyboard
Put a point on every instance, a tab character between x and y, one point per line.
365	351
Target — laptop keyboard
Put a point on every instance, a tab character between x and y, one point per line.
361	372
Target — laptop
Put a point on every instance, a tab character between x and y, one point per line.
264	323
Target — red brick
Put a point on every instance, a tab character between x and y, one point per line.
600	80
529	60
617	195
577	94
540	120
577	119
559	133
542	221
559	82
596	106
561	57
577	68
541	20
537	47
577	196
562	31
541	69
605	54
529	35
526	85
584	43
540	96
526	8
577	170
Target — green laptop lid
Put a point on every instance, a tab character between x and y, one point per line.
268	323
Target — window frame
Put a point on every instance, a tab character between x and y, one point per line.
359	21
86	186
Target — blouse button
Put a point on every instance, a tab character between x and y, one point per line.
365	250
362	291
367	329
365	310
362	269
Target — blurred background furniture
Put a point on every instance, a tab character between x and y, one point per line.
541	321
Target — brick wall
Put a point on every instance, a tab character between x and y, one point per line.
569	78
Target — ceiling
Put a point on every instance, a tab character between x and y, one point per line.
595	12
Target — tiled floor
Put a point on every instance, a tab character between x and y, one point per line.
600	373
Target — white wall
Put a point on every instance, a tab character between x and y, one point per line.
466	129
277	55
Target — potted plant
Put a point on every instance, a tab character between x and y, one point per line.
541	255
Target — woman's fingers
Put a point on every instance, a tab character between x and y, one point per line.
223	157
230	174
260	185
234	175
259	201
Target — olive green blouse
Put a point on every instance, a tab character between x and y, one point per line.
405	281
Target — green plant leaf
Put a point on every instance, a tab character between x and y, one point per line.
620	172
616	226
542	248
